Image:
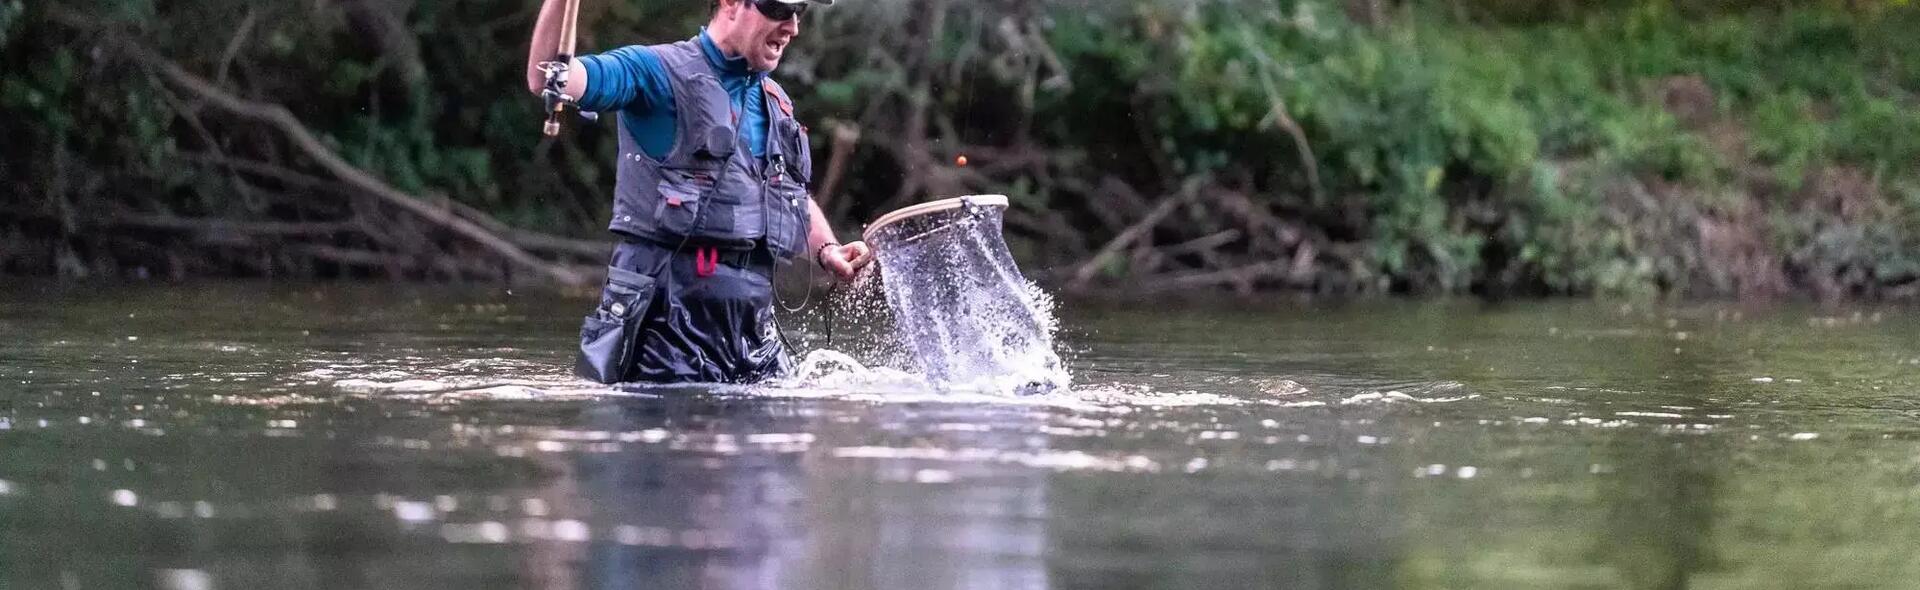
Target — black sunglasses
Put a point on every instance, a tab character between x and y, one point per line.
776	10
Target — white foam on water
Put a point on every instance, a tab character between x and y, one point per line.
474	378
184	579
839	375
401	386
827	369
867	368
835	375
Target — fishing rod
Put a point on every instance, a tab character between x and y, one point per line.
556	71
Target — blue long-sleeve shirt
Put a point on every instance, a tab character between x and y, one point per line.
633	81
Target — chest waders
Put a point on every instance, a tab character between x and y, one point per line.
689	296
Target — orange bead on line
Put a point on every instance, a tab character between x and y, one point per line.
960	161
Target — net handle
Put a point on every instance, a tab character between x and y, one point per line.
912	211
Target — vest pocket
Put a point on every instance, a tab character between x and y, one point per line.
682	193
787	216
610	336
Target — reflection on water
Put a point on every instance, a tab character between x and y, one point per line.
338	437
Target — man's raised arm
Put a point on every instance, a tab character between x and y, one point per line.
546	41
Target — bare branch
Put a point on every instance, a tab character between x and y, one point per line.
1134	232
301	137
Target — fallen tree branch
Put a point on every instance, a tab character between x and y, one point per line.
234	44
1139	228
213	226
591	249
297	133
531	240
1239	276
1204	243
1266	233
392	263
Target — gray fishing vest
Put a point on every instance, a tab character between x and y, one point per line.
710	187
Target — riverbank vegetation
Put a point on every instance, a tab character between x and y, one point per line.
1499	147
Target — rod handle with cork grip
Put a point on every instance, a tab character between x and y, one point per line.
557	69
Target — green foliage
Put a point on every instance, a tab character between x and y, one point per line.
1531	145
10	11
1417	116
1434	123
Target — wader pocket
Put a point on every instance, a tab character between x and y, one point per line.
609	337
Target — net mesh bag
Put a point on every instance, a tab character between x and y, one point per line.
960	305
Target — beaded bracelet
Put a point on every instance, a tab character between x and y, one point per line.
819	254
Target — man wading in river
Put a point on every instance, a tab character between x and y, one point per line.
711	194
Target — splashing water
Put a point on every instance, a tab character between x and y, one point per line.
835	370
961	306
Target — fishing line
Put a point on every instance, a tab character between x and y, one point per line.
780	301
811	279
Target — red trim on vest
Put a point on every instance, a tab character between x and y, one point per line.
766	84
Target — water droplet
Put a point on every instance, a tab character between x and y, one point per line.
627	534
413	511
933	476
125	498
484	532
570	530
184	579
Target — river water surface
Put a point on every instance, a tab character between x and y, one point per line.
273	436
